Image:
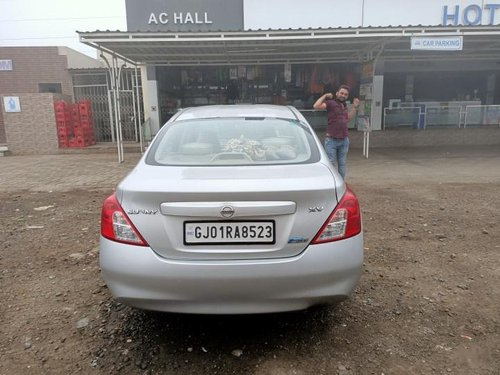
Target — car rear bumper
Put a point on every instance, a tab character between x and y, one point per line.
323	273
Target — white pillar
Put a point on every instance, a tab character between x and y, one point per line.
377	102
150	98
490	89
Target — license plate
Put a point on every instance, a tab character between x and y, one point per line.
228	232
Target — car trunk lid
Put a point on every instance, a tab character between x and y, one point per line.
229	213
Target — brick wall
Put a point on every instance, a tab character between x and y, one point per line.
31	66
34	65
33	130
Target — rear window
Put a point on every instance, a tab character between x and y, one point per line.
233	141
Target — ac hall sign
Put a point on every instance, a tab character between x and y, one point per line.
184	15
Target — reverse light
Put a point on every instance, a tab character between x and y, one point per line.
116	226
344	222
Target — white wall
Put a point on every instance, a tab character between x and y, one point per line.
405	13
377	102
77	60
150	99
284	14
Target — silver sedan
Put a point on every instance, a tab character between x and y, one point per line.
232	210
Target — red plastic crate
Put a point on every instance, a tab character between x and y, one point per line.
74	124
85	118
63	141
64	137
64	132
61	105
80	142
82	132
64	116
85	114
85	104
76	142
74	112
63	113
64	124
88	126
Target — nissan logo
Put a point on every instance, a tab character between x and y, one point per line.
227	211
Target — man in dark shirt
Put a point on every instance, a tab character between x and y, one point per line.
336	140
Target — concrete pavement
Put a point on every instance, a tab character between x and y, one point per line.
451	164
63	172
444	164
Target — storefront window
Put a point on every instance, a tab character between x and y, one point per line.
298	85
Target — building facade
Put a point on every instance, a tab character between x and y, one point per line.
29	70
431	64
413	64
33	78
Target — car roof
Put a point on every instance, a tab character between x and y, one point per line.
237	110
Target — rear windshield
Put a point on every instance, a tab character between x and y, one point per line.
233	141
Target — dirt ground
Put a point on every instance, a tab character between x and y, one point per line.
427	303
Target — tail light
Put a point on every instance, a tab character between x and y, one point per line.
344	222
116	226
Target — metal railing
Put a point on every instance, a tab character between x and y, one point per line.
482	115
403	117
424	117
443	116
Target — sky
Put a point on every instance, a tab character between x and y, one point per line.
55	22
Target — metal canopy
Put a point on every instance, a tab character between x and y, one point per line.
291	46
